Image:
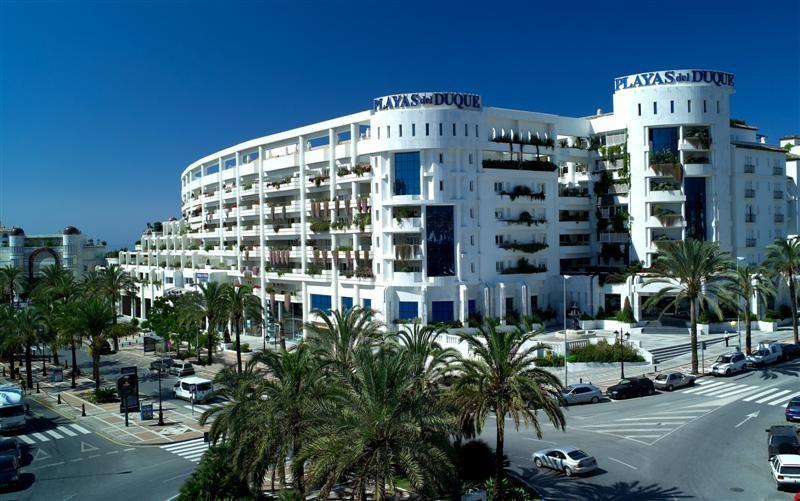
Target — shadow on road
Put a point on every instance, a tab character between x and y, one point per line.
555	486
773	371
25	482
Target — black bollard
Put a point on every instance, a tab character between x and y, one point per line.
37	387
59	398
4	371
83	410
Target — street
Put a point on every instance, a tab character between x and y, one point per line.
704	442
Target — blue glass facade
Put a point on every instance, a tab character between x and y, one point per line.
664	138
695	188
367	304
472	307
406	173
408	309
321	302
440	240
442	311
347	303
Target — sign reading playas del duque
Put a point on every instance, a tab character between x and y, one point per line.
401	101
718	78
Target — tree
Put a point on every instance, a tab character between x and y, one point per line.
429	362
28	323
9	342
94	317
162	319
113	281
214	479
690	270
749	283
376	429
500	377
209	307
783	259
11	281
242	304
341	334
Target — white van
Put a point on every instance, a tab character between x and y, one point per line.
12	408
193	388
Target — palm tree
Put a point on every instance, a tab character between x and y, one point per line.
113	281
242	304
341	334
9	342
28	330
500	376
208	307
71	334
429	362
95	316
376	429
691	270
749	282
11	280
783	258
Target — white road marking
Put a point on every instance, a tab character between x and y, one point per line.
705	387
623	463
707	390
80	429
784	398
27	440
67	431
538	440
729	393
757	395
41	437
668	418
53	434
783	392
642	436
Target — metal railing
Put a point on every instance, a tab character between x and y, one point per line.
749	168
749	218
778	218
777	194
750	242
749	193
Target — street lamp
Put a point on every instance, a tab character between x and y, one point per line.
566	277
738	315
160	408
621	355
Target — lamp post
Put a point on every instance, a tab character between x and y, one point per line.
621	355
566	277
160	408
738	315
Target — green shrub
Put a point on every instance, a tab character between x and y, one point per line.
626	315
101	396
550	360
245	347
604	352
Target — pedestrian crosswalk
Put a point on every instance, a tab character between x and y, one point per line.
61	431
746	393
651	427
191	450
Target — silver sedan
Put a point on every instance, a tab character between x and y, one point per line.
581	394
673	380
567	459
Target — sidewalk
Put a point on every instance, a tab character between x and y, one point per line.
607	376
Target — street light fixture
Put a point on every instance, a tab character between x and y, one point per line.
566	277
738	315
621	354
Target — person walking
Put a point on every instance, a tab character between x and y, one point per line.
727	338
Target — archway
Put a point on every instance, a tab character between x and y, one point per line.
35	254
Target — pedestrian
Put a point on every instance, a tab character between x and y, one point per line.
727	337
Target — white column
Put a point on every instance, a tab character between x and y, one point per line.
423	305
301	148
337	303
353	147
501	303
526	303
306	302
487	302
238	211
463	303
261	246
221	197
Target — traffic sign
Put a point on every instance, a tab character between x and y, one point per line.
128	370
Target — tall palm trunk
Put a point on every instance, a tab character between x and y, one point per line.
498	453
54	351
693	333
28	368
282	336
238	347
747	327
11	364
96	367
75	370
300	471
794	306
116	337
210	346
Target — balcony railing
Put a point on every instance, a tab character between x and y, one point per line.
750	242
778	218
749	218
749	168
749	193
777	194
614	238
777	171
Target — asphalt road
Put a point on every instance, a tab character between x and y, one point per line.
66	461
706	442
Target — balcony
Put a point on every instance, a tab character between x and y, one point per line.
749	217
407	224
749	193
778	218
750	242
614	238
573	192
749	168
777	194
407	252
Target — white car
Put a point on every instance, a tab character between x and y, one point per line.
729	363
764	356
785	469
582	394
567	459
193	388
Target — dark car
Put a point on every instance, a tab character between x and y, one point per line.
792	411
9	470
162	364
782	439
631	387
105	348
10	447
789	351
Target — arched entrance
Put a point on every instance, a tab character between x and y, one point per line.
39	252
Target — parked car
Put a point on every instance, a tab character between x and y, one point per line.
729	363
9	470
673	380
162	364
190	388
763	357
631	387
567	459
782	439
181	369
789	351
792	411
581	394
9	446
785	469
105	348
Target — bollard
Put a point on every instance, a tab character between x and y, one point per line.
4	371
580	380
59	398
83	410
37	387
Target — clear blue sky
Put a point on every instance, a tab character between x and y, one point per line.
104	103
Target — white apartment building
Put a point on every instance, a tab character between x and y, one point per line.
434	206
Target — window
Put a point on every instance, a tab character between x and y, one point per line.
471	186
689	105
347	304
472	240
454	129
471	307
388	131
413	130
655	108
470	160
427	129
498	187
408	310
400	130
640	108
441	185
321	302
498	239
717	107
406	173
672	106
367	304
441	158
442	311
705	106
471	213
498	266
476	130
466	129
441	129
509	304
379	132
